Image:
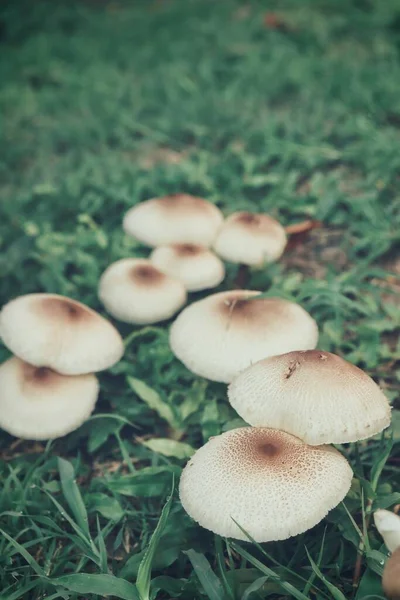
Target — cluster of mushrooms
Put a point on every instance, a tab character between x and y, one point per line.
48	388
270	481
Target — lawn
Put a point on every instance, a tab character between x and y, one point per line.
291	108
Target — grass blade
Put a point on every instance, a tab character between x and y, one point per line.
104	585
72	494
208	579
144	572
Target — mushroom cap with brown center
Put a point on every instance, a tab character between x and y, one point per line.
221	335
48	330
196	266
37	403
315	395
135	291
271	483
250	239
178	218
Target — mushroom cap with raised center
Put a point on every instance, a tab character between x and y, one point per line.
48	330
221	335
271	483
37	403
196	266
178	218
315	395
135	291
388	525
250	239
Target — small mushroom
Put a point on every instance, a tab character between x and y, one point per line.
196	266
250	239
48	330
315	395
388	525
271	483
37	403
221	335
135	291
179	218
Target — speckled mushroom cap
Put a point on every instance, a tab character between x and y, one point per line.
221	335
37	403
196	266
391	576
47	330
388	525
135	291
250	239
315	395
179	218
270	482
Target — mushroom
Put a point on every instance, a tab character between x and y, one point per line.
388	525
221	335
250	239
315	395
271	483
196	266
37	403
135	291
179	218
47	330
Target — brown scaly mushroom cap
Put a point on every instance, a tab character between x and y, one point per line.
391	576
37	403
270	482
135	291
178	218
313	394
48	330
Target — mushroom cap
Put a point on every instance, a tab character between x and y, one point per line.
178	218
270	482
250	239
196	266
391	576
37	403
48	330
221	335
315	395
135	291
388	525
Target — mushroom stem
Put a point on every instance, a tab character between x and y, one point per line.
242	277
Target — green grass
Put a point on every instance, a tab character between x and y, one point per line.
105	104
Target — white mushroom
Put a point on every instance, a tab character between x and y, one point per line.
47	330
179	218
37	403
135	291
196	266
250	239
271	483
221	335
315	395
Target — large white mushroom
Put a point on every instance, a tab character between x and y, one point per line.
178	218
221	335
315	395
48	330
135	291
37	403
271	483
